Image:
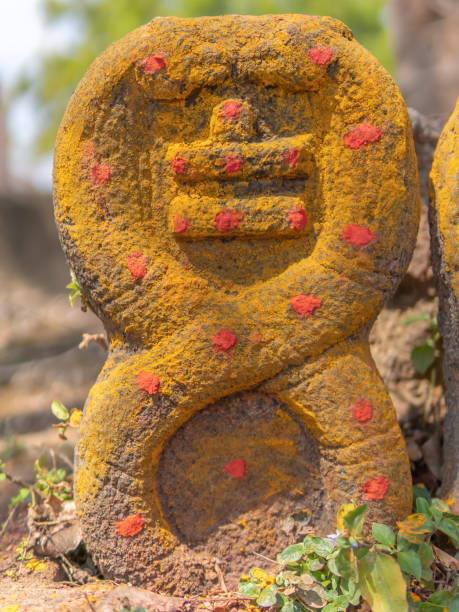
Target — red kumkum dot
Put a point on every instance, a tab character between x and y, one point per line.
357	235
153	63
362	410
361	135
304	305
376	488
232	164
321	56
178	165
136	264
236	468
180	225
147	381
224	340
298	218
226	220
100	173
230	110
291	157
131	526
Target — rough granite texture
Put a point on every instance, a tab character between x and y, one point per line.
444	231
238	197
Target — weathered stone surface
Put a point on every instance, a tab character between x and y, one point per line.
444	229
238	197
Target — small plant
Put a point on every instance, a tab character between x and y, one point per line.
75	290
392	574
69	419
424	355
48	483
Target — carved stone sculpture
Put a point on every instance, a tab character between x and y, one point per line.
238	197
444	231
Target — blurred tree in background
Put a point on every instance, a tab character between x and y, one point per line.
101	22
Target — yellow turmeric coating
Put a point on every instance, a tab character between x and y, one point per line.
445	192
254	175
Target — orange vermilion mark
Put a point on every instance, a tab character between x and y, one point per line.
298	218
100	173
178	165
232	164
180	225
304	305
362	410
291	157
361	135
230	110
321	56
376	488
224	340
226	220
236	468
357	235
147	381
136	263
131	526
153	63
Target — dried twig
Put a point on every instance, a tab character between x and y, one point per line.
89	602
8	519
100	339
221	578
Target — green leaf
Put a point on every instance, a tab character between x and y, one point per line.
438	602
382	584
291	553
342	601
419	491
383	534
423	506
356	597
75	289
2	476
333	567
248	588
292	606
454	605
322	546
268	597
24	492
315	564
410	563
452	517
449	528
440	504
425	553
353	521
422	357
427	574
59	410
402	543
346	564
441	597
56	476
348	588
